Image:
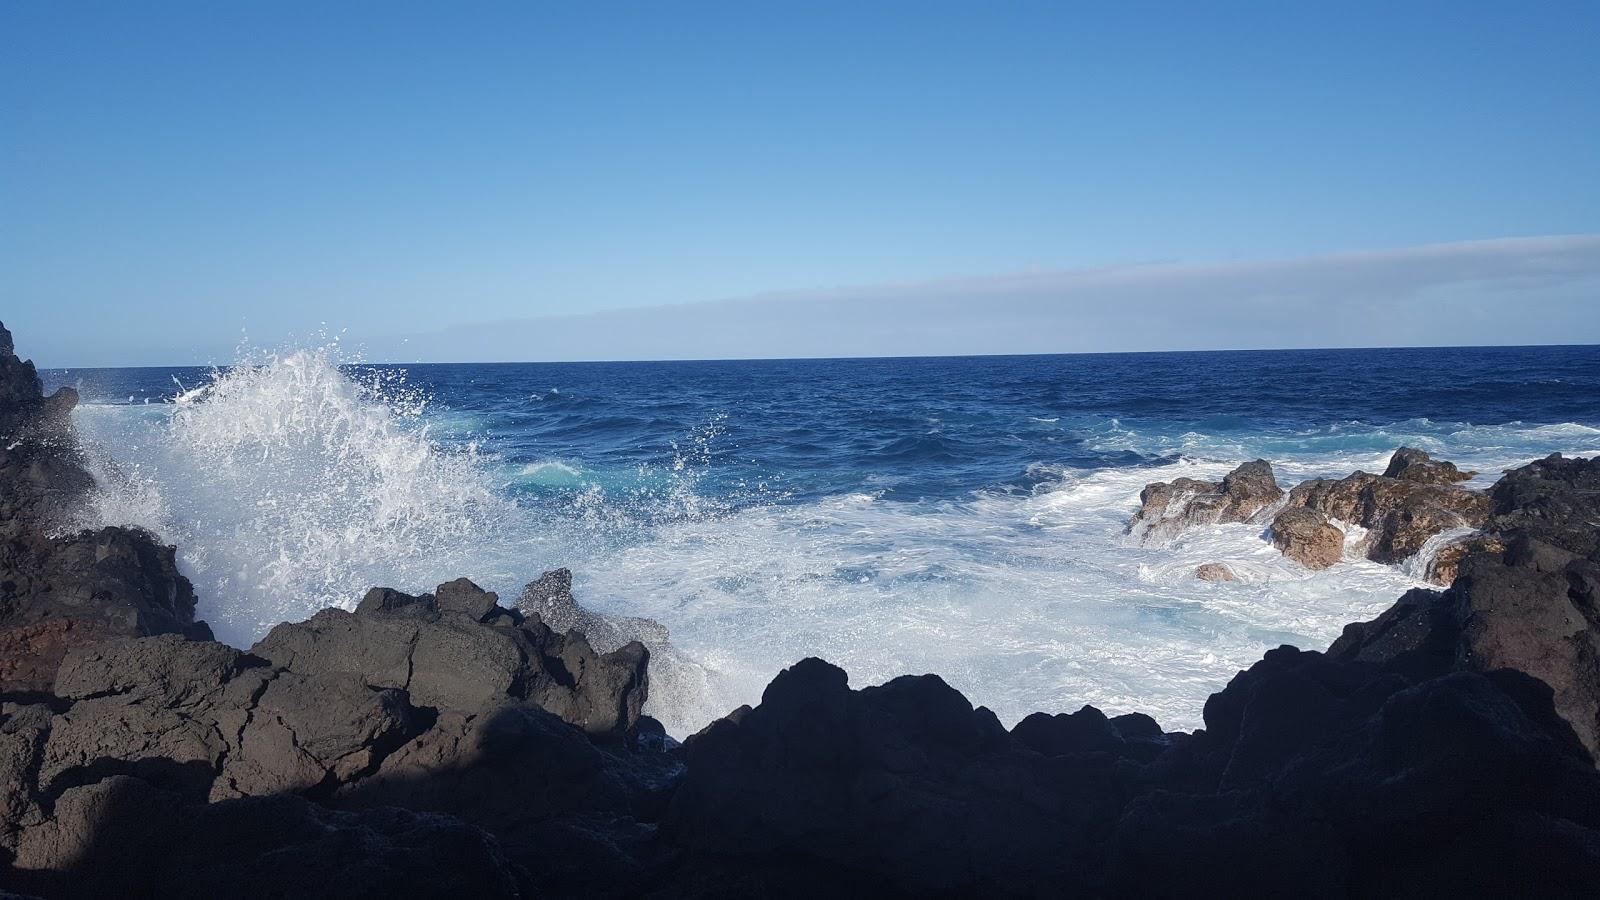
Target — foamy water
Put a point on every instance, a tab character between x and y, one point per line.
294	485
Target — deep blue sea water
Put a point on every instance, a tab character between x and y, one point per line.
959	515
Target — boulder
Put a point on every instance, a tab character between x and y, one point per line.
1409	464
1167	508
1307	537
1215	572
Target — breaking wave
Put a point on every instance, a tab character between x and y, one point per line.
290	486
981	540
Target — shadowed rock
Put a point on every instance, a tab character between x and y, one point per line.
439	649
60	587
1532	607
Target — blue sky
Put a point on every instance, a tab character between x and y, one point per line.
172	173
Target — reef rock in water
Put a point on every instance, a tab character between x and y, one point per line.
442	744
1165	509
1415	507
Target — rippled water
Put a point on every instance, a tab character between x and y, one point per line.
959	515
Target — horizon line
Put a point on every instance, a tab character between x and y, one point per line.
727	359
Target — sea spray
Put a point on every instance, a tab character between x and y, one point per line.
768	511
291	485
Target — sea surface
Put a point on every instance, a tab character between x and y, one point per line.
963	516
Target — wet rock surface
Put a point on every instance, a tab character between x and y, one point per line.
1416	500
441	744
1307	537
1400	514
1215	572
1168	508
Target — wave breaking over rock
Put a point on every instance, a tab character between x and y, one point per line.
439	743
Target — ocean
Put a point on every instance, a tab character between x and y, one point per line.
962	516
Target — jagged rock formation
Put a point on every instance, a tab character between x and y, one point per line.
442	703
1534	608
61	587
1414	500
550	598
1446	563
1400	514
458	649
1167	508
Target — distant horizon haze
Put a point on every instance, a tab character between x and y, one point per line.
1511	292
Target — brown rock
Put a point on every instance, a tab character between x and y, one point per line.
1401	515
1307	537
1215	572
1446	563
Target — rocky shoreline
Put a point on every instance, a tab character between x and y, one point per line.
445	743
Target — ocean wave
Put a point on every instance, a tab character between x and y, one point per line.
978	547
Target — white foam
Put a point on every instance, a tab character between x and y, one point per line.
292	486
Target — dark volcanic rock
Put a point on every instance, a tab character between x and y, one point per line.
438	649
60	588
121	836
1446	563
903	788
1166	508
1307	537
1531	608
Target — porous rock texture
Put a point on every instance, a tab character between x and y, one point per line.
1416	499
1400	514
1535	607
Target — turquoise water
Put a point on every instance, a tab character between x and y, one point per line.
959	515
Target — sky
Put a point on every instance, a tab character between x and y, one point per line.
532	181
